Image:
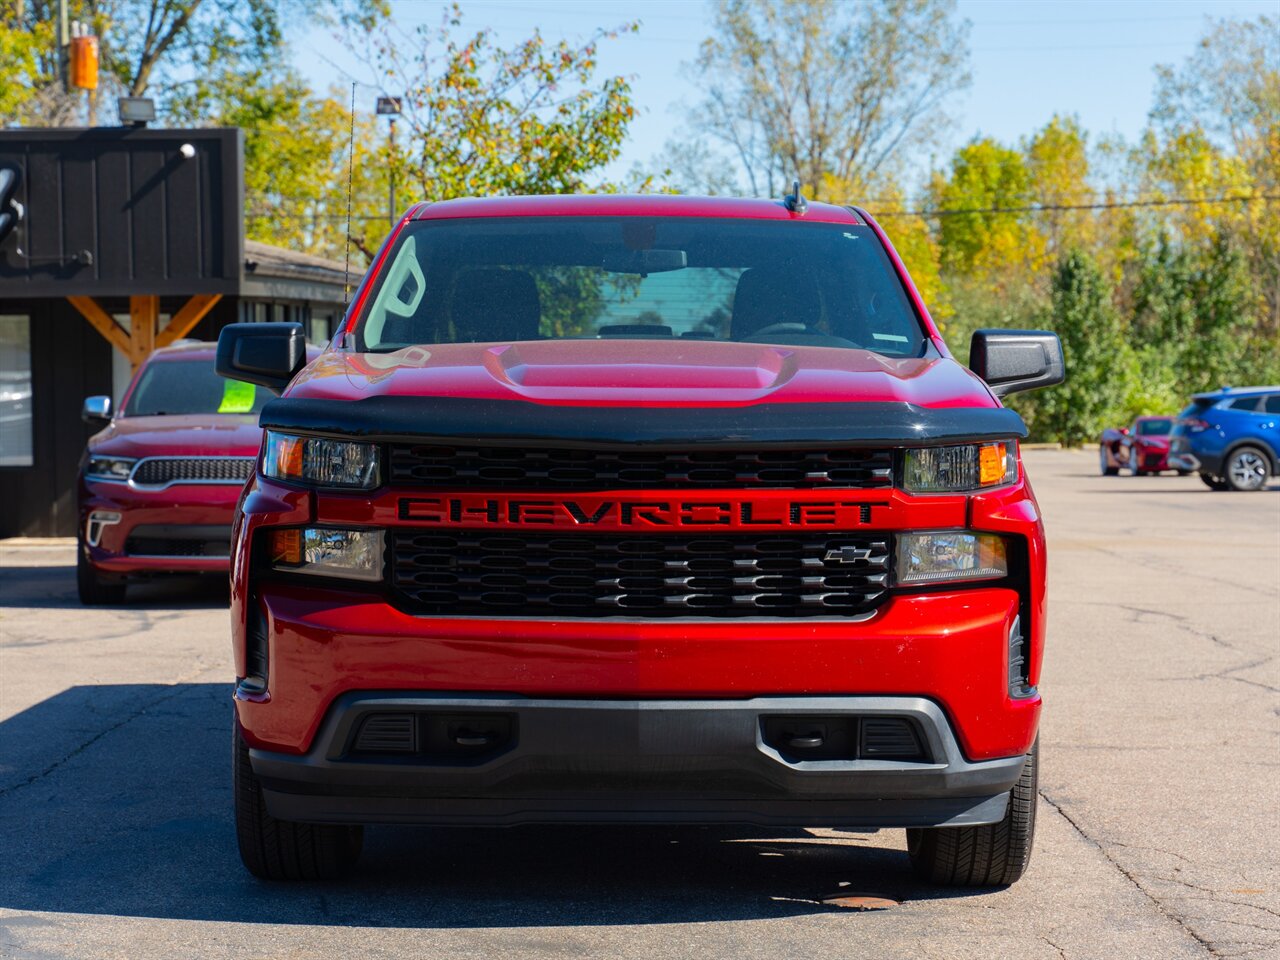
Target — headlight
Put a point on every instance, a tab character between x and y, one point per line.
351	554
943	557
109	468
320	462
971	466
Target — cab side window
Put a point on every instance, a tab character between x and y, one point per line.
1247	404
1272	404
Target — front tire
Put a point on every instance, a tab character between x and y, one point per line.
1246	469
281	849
993	855
1104	464
92	589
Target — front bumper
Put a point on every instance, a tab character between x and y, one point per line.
178	529
664	761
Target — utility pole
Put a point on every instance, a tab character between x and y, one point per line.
391	107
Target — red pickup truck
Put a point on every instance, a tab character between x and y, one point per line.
638	509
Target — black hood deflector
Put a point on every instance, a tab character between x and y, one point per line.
518	422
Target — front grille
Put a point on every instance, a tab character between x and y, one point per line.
476	573
493	468
159	471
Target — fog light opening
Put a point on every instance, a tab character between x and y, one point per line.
99	520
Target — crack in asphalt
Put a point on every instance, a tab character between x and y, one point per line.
176	689
1174	918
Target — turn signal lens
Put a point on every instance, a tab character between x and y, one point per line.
946	557
959	469
286	546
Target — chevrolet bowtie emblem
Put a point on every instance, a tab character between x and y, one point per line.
848	554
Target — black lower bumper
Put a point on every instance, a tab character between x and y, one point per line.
661	761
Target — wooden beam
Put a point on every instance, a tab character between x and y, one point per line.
184	321
144	311
104	323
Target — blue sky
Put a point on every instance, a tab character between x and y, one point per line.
1091	58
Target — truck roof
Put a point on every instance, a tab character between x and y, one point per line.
1233	392
622	205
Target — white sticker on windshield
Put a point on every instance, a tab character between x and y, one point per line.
890	336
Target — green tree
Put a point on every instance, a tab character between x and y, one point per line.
1097	354
824	88
979	236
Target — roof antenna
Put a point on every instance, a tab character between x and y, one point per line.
795	201
351	161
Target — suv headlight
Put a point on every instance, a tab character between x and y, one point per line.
324	552
320	462
109	468
948	556
970	466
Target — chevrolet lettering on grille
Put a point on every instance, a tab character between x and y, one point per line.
621	513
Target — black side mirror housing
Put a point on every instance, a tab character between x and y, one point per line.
268	354
1014	360
96	410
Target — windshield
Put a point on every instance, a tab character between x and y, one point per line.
537	278
191	386
1154	428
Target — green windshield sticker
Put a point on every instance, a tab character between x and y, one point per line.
237	397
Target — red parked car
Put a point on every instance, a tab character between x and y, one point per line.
653	509
158	486
1142	447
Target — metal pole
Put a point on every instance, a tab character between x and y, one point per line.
64	41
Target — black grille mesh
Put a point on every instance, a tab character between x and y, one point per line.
177	547
477	573
162	470
460	467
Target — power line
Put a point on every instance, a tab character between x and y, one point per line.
1062	207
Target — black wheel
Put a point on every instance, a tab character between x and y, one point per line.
93	588
1214	483
1246	469
280	849
994	855
1184	473
1103	466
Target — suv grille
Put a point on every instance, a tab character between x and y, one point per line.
458	467
158	471
476	573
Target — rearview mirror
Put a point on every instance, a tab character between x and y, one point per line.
1014	360
268	354
96	410
645	262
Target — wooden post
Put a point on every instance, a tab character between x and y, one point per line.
104	323
185	320
144	312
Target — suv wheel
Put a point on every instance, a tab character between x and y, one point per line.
1247	469
94	591
1214	483
281	849
1106	469
994	855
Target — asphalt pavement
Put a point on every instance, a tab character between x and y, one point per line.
1158	835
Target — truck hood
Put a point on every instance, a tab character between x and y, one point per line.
645	373
203	435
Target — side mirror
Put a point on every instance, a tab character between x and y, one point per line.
96	410
1013	360
268	354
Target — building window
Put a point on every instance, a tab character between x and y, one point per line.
15	391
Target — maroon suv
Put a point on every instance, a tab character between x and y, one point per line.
158	485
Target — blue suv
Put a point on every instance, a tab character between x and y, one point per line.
1231	437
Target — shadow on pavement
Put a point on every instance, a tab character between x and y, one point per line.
49	587
116	800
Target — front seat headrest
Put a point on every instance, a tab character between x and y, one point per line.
492	304
765	297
